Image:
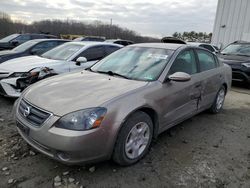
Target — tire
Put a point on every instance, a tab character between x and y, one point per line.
219	101
134	139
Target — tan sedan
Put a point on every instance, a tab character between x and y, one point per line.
115	108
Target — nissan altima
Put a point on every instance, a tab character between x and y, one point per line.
115	108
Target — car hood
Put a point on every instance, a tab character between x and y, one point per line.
3	44
7	52
75	91
25	64
233	59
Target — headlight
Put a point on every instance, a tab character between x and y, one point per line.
246	65
82	120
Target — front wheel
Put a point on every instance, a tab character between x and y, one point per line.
134	139
219	101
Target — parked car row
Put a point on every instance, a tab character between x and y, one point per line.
112	100
19	73
32	47
14	40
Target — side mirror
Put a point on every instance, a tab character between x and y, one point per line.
180	77
81	60
14	43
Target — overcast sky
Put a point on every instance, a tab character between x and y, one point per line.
147	17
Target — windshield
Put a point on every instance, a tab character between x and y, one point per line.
78	39
25	46
137	63
237	49
9	38
63	52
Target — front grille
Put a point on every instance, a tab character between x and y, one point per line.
32	114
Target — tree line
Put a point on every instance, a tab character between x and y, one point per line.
194	36
95	28
64	27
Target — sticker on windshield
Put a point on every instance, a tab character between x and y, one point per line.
158	56
148	77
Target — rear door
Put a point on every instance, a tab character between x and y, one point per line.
92	54
110	49
211	77
181	99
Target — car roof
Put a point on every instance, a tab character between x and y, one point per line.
197	43
169	46
41	40
93	43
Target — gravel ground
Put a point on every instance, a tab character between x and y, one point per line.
204	151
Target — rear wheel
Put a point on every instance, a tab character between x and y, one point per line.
134	139
219	101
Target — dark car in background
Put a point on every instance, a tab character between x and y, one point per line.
32	47
210	47
14	40
91	38
120	41
237	55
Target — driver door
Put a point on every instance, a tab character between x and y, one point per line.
181	98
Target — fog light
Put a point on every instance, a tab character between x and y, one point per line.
63	156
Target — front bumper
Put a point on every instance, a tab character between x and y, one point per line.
7	88
67	146
240	73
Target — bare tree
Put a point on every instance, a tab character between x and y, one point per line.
58	27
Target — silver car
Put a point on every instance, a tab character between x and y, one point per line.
19	73
115	108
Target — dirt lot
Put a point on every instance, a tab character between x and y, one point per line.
205	151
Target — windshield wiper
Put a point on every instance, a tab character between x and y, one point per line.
111	73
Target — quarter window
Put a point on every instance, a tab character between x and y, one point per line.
206	60
185	62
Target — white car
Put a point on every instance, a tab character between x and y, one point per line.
68	57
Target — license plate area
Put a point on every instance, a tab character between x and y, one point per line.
23	128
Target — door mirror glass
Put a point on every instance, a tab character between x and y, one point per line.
81	60
180	77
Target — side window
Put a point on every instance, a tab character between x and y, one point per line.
22	38
44	46
185	62
118	42
111	49
206	60
93	53
208	47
